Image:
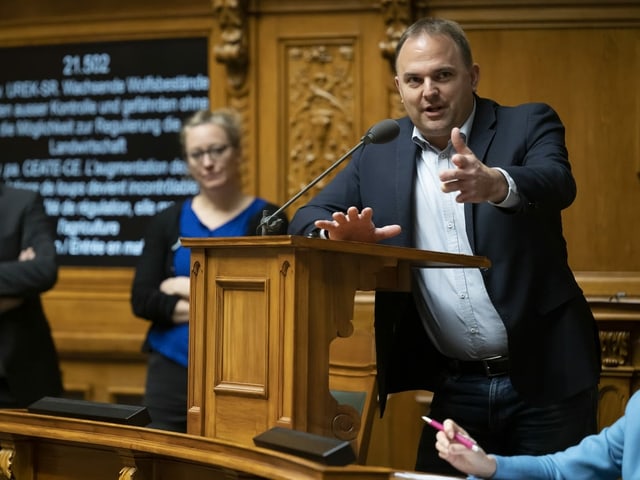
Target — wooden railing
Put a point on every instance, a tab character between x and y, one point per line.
618	319
38	446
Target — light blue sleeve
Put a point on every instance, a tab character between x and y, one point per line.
597	456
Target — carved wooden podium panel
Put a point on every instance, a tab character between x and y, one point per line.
264	311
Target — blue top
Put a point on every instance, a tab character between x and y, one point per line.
611	454
173	342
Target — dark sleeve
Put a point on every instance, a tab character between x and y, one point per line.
153	267
31	227
541	171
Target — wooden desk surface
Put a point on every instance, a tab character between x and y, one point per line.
47	447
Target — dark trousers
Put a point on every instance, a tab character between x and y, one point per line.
493	413
166	394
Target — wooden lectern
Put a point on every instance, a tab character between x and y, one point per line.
264	311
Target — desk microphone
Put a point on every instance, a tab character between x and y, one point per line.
382	132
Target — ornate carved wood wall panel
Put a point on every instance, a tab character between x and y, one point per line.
619	322
316	80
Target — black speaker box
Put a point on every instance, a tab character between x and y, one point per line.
86	410
329	451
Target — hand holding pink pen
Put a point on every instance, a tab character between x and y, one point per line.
467	442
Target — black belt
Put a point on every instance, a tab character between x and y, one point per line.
491	367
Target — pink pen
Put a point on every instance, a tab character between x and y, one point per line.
467	442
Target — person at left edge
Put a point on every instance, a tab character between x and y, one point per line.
29	366
211	143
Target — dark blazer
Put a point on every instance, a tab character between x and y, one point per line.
553	340
27	352
156	264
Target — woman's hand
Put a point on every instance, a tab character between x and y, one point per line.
176	286
471	462
179	286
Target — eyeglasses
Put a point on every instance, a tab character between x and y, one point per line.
214	152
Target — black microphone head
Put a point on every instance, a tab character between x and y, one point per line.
382	132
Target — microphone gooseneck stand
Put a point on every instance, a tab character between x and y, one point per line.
382	132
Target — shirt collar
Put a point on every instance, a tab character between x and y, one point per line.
465	129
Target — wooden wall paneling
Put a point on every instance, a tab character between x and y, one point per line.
636	73
89	305
585	75
321	84
97	336
86	26
609	286
545	14
39	12
105	379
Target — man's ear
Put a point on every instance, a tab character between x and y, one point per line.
397	82
475	77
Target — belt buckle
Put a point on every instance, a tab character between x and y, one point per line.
487	366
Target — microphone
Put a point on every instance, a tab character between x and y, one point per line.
382	132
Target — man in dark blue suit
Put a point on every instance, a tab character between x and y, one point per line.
28	360
512	353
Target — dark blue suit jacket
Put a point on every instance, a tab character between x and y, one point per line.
553	340
27	351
